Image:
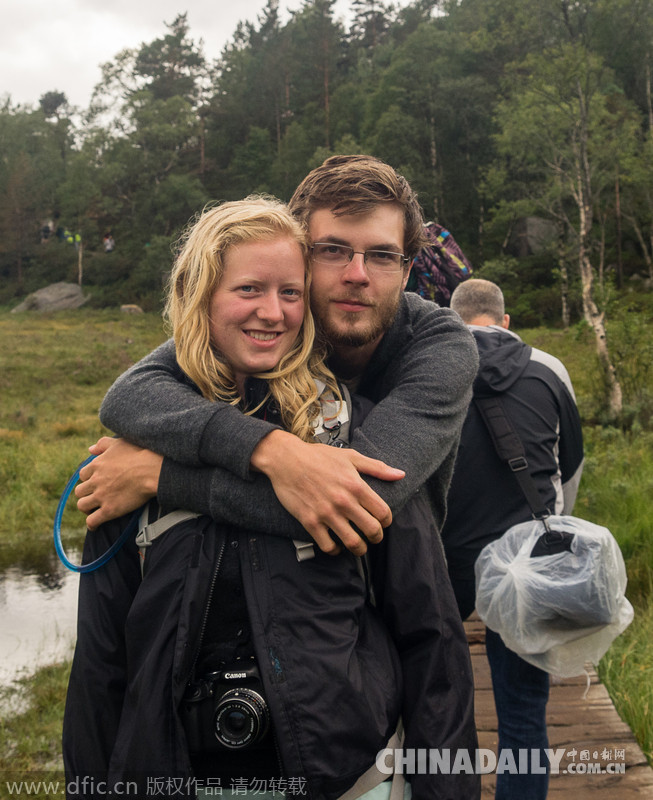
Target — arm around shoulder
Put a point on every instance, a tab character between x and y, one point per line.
155	405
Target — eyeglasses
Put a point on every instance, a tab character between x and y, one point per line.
339	255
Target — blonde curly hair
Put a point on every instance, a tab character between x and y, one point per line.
197	271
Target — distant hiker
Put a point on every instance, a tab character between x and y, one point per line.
46	231
538	396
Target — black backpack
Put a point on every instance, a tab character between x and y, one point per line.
439	267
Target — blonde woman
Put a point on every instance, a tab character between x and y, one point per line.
238	306
251	662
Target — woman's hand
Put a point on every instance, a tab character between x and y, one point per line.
321	486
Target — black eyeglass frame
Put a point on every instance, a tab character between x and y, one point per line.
403	263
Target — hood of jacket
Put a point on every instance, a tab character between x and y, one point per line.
503	357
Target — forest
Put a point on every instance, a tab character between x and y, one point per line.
526	126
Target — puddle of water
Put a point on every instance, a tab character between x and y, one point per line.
38	614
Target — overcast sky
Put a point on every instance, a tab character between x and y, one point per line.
59	45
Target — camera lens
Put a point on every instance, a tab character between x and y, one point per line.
235	722
241	718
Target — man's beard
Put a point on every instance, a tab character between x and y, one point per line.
339	335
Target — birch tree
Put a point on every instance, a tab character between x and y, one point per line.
561	129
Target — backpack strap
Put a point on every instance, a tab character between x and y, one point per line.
332	423
330	427
149	531
510	450
304	550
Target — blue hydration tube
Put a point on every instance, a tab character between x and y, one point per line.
92	565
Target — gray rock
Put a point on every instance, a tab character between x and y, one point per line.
131	308
531	235
56	297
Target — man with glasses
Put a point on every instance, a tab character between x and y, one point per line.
416	361
413	360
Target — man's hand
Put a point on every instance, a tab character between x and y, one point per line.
118	481
321	486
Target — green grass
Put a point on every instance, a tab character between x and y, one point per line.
30	741
54	371
616	491
627	672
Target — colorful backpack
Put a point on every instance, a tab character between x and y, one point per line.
439	267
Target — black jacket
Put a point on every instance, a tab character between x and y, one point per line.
337	671
538	398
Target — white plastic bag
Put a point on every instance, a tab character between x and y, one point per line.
555	611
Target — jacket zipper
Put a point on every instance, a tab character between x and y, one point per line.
205	616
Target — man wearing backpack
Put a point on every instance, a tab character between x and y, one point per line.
485	500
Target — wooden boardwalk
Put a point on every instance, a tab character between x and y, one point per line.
576	721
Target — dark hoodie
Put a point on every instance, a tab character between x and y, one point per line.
484	499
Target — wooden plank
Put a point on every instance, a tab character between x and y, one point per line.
578	719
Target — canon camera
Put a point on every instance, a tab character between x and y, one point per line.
226	709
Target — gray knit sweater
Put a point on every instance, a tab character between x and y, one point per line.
420	379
